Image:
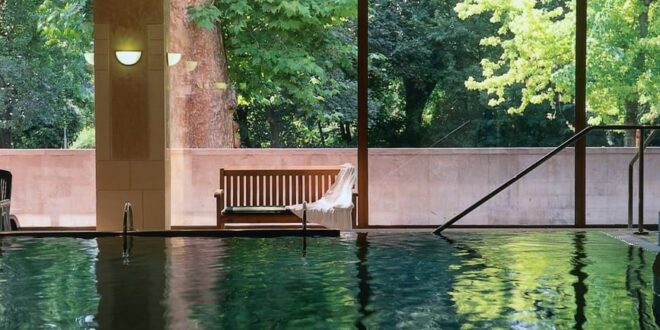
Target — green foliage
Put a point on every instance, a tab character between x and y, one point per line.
205	16
86	139
291	64
45	86
536	39
421	55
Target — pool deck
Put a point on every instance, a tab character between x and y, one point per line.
648	242
254	233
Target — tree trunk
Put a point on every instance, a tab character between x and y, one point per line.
5	138
5	115
243	131
318	125
345	128
274	124
201	99
417	93
631	107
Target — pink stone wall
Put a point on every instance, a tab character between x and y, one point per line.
52	188
407	186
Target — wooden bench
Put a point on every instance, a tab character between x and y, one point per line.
259	196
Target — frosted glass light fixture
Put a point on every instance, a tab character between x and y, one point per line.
128	57
173	58
89	58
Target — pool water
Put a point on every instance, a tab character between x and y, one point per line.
489	280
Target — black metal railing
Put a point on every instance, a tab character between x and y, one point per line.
579	135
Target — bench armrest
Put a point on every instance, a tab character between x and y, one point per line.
219	193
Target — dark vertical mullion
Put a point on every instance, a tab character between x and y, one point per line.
363	112
580	111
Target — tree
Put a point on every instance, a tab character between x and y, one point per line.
286	58
416	46
536	39
45	87
202	101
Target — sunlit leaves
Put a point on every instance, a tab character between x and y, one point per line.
537	42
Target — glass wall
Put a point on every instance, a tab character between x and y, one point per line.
622	65
47	102
622	88
455	88
284	72
46	87
255	76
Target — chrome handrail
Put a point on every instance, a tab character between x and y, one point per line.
579	135
128	218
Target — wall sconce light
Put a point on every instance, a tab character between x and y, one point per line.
191	66
173	58
89	58
128	58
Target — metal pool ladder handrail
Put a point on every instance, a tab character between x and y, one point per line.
128	218
579	135
631	165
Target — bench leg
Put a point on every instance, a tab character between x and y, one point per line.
221	222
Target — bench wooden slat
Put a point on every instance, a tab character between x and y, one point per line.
234	188
253	181
287	189
299	187
268	194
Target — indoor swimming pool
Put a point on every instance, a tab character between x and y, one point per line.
465	280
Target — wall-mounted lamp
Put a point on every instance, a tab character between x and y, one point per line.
173	58
89	58
191	66
128	57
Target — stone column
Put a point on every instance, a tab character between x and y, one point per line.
130	113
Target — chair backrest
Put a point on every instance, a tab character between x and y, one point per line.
5	185
5	200
256	187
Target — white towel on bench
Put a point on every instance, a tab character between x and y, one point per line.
334	209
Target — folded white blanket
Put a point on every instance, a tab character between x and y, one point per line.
333	210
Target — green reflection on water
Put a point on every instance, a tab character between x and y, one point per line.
47	283
552	280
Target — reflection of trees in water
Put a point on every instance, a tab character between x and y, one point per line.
363	279
131	290
267	283
409	280
515	281
580	287
636	284
47	283
656	289
564	280
190	280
